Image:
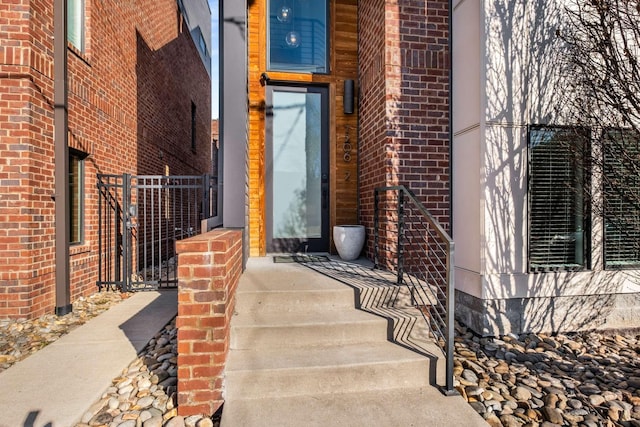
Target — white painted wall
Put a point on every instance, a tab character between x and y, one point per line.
468	75
506	76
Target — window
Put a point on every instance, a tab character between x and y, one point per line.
76	196
75	23
621	188
558	207
193	126
298	36
202	44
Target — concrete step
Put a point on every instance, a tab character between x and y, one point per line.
424	406
303	355
378	288
295	300
258	330
395	296
305	370
264	275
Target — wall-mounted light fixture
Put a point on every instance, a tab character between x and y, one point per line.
348	97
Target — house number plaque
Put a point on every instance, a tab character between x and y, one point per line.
346	146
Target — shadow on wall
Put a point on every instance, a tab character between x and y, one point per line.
173	108
415	133
520	82
522	87
559	307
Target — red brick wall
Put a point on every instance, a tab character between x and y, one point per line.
372	107
130	97
26	150
209	267
403	60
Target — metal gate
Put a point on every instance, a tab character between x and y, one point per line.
140	218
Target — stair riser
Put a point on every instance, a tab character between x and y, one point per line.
348	378
398	296
295	301
258	337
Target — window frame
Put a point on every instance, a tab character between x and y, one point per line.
585	146
608	196
80	43
77	203
286	68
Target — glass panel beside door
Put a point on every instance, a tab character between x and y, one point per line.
297	173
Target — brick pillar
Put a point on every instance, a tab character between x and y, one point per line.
403	59
209	267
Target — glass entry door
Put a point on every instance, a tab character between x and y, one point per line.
297	171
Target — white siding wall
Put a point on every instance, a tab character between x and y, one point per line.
506	76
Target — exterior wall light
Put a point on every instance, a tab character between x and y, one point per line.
348	97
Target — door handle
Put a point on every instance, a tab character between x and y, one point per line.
325	197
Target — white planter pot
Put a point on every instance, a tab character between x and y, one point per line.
349	240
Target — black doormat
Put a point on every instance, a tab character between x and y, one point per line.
299	258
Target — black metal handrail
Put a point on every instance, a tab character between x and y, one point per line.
411	243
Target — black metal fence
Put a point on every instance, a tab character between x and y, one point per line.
411	243
140	218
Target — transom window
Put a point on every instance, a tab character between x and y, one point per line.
298	36
558	211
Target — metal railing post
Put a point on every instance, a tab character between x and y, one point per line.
450	320
376	228
99	232
118	223
399	248
126	237
206	199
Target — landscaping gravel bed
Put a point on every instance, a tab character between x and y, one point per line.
585	379
144	395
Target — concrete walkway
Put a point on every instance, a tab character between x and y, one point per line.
55	386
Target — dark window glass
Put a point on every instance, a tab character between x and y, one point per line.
193	126
297	36
76	196
558	210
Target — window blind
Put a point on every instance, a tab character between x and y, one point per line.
557	238
621	187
